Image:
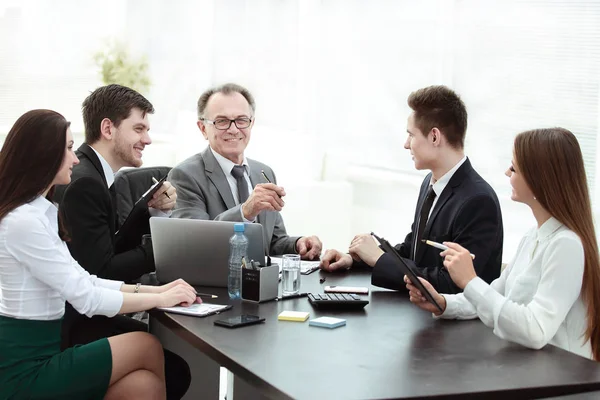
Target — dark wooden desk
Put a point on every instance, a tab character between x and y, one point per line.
391	349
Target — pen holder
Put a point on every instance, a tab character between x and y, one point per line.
261	284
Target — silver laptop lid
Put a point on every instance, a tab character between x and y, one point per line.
198	250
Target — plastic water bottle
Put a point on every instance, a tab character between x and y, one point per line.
238	248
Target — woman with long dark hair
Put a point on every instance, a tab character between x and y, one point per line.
550	292
38	274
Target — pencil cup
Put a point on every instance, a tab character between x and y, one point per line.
261	284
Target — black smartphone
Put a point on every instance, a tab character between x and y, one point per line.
240	320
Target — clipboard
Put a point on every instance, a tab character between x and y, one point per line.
197	310
388	248
135	225
138	214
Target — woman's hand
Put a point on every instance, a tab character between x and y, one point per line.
417	297
164	288
179	293
459	264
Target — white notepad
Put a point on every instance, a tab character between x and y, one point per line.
305	265
197	310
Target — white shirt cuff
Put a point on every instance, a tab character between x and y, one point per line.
244	218
154	212
476	290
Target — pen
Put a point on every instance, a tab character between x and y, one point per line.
155	182
312	269
292	296
262	171
440	246
210	296
265	176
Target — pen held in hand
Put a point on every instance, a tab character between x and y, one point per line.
155	182
262	171
440	246
210	296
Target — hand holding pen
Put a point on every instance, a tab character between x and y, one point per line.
459	263
165	197
264	197
441	246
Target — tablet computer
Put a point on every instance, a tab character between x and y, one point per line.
388	248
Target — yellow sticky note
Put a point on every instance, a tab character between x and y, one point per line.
297	316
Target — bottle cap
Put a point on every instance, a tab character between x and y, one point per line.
239	227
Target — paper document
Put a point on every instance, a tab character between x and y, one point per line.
304	265
197	310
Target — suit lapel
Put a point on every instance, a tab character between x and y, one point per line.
256	178
217	177
88	152
448	192
91	155
264	218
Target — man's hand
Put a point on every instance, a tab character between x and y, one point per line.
309	247
334	260
265	196
160	201
364	247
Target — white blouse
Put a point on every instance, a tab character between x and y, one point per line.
537	298
38	274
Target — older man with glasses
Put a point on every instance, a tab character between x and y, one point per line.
221	184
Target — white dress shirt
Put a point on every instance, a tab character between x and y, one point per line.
38	274
227	165
440	184
537	298
109	175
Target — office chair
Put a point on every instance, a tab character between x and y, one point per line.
130	184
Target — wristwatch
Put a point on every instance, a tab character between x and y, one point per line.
137	288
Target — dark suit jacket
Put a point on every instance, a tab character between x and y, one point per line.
467	212
89	214
204	193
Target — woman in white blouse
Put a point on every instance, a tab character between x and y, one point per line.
38	274
550	292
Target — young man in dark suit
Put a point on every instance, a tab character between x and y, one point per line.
455	204
116	132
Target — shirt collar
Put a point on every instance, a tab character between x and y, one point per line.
108	172
440	184
41	203
548	228
227	165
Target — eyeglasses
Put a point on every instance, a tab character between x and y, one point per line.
225	123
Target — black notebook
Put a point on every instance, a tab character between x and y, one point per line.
129	234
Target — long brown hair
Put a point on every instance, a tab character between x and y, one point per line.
552	165
31	157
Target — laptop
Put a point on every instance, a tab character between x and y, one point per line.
198	250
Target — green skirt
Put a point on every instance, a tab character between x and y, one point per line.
33	367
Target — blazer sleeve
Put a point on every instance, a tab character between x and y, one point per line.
476	228
190	201
281	243
86	208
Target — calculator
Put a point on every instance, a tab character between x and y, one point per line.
337	300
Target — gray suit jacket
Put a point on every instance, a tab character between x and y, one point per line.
203	193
